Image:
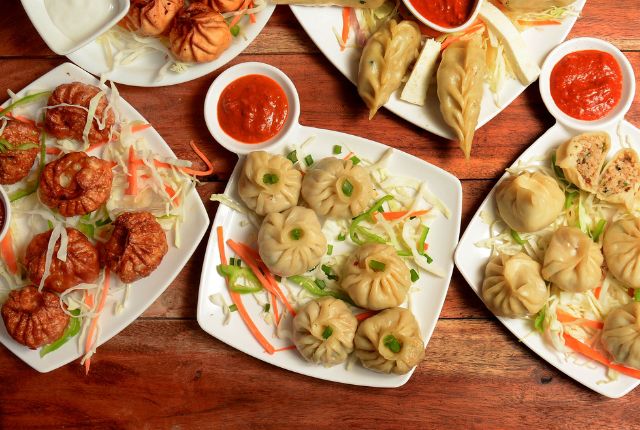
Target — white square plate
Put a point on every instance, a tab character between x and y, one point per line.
143	292
471	261
426	303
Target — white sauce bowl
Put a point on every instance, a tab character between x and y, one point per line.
582	44
236	72
440	28
4	201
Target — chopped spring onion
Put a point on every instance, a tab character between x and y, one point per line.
267	307
6	146
73	328
329	249
377	266
423	238
597	231
347	188
233	308
321	284
342	237
337	149
414	275
568	200
636	295
50	225
235	30
360	235
87	229
235	273
539	321
293	157
23	101
308	160
310	285
34	187
328	331
329	272
428	257
392	343
103	222
270	178
296	233
517	238
355	160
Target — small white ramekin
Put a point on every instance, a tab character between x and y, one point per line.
4	201
440	28
582	44
230	75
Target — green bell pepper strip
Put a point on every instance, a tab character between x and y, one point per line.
23	101
310	285
73	328
33	188
233	273
360	235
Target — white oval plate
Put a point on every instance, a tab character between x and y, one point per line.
143	292
425	303
319	23
471	261
143	72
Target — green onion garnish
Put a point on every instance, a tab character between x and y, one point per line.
636	295
392	343
328	331
568	200
308	160
270	178
539	321
235	30
50	224
342	237
104	222
293	157
597	231
517	238
329	249
355	160
321	284
267	306
414	275
233	308
347	188
337	149
296	234
328	271
376	266
429	259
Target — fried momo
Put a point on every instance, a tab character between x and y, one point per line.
621	247
19	144
291	243
337	188
152	17
390	342
323	331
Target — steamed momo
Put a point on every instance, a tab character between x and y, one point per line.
390	342
513	286
269	183
291	243
572	262
375	277
621	246
337	188
529	202
621	334
581	159
620	180
323	331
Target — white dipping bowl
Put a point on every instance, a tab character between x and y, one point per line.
440	28
6	204
236	72
582	44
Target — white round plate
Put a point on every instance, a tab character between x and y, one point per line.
143	72
321	22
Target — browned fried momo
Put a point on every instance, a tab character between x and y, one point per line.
18	150
199	34
152	17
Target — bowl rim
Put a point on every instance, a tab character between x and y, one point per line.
582	44
441	29
236	72
6	203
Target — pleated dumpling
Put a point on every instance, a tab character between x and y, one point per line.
390	342
620	180
199	34
323	331
460	81
385	60
291	243
572	262
581	159
375	277
152	17
529	202
337	188
621	334
513	286
269	183
621	246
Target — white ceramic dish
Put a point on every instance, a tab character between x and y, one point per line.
441	29
426	303
143	72
144	292
581	44
320	23
471	262
230	75
4	201
55	39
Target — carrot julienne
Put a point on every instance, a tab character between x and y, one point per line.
565	317
139	127
133	174
349	155
391	216
366	314
252	16
8	254
237	300
94	322
286	348
243	9
591	353
469	31
597	291
346	13
534	23
204	158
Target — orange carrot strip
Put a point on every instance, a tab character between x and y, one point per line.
349	155
597	292
94	322
22	118
286	348
88	299
591	353
139	127
204	158
53	151
346	12
252	17
471	30
391	216
565	317
426	246
237	300
243	9
8	254
366	314
172	193
133	174
534	23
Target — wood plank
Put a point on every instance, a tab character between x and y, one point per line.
475	375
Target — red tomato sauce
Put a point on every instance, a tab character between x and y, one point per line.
252	109
446	13
586	85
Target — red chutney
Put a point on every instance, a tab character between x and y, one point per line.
446	13
252	109
586	85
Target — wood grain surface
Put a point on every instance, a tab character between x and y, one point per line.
163	371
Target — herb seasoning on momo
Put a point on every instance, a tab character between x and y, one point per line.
586	85
446	13
252	109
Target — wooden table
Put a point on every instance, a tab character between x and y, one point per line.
163	371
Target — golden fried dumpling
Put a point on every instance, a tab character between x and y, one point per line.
223	5
529	202
199	34
581	159
21	147
152	17
621	246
